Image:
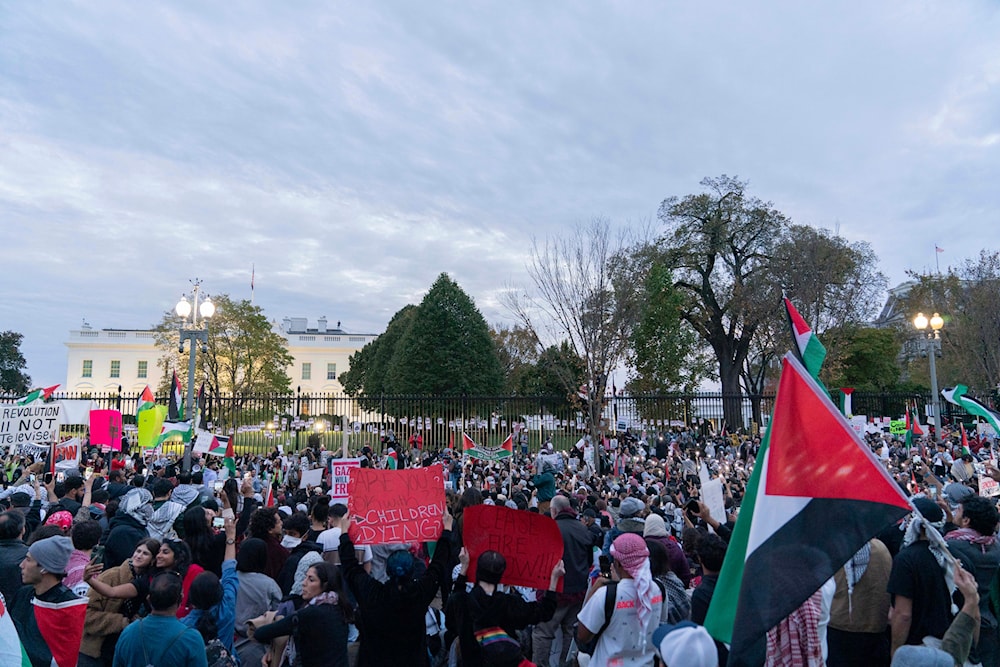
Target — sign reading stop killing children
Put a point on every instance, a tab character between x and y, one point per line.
24	424
531	543
392	506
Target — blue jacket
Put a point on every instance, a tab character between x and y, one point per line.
224	613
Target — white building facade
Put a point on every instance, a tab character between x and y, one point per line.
102	360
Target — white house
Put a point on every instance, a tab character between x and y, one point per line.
101	360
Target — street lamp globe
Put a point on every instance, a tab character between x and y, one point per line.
183	308
937	322
207	308
920	321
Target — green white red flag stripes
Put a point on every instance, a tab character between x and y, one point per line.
42	394
811	467
175	408
11	651
487	453
957	396
61	626
807	346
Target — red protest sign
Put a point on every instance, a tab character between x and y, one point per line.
389	506
531	543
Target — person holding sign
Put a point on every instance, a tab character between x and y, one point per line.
391	614
486	620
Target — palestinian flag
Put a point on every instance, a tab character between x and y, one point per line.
176	405
846	407
965	440
812	466
61	626
38	395
219	446
175	431
11	651
807	346
486	453
391	460
956	396
146	401
229	460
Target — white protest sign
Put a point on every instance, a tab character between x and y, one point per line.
21	424
711	494
340	475
312	477
988	487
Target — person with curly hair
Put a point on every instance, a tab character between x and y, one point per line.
265	524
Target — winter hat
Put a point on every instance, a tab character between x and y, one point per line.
52	553
62	518
654	527
630	507
956	494
686	644
921	656
286	510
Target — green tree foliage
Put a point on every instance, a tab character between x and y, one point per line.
966	297
369	367
13	379
447	350
546	377
666	354
719	244
517	353
244	355
864	358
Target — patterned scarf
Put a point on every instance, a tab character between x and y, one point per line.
973	537
854	569
795	642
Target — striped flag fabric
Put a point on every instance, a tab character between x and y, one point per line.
846	406
11	651
146	401
957	396
61	625
807	346
42	394
811	466
176	405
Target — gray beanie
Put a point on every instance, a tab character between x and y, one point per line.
52	553
630	507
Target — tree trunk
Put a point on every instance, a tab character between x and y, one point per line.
732	395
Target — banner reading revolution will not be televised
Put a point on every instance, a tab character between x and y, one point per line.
29	424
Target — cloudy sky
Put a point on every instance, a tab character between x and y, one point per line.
352	151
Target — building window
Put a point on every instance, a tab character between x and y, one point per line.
143	370
116	369
307	370
88	368
331	371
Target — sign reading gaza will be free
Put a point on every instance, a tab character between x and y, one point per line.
21	424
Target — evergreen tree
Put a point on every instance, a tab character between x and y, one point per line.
447	350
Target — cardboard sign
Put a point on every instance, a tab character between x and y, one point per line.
988	487
393	506
531	543
23	424
312	477
340	477
106	428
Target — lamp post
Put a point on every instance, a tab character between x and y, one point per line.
932	345
192	329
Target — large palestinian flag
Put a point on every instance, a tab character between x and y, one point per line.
957	397
487	453
817	495
61	625
11	651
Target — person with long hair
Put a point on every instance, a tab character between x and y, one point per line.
257	594
207	546
213	602
319	628
173	556
265	524
107	617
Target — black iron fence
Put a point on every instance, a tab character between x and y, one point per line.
259	423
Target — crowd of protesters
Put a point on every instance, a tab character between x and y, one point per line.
220	568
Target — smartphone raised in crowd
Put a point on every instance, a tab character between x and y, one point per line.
97	555
218	486
218	523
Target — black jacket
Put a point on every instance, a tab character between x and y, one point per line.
578	552
391	619
12	552
123	537
22	612
467	612
286	578
320	635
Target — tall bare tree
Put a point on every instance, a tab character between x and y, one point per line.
582	297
